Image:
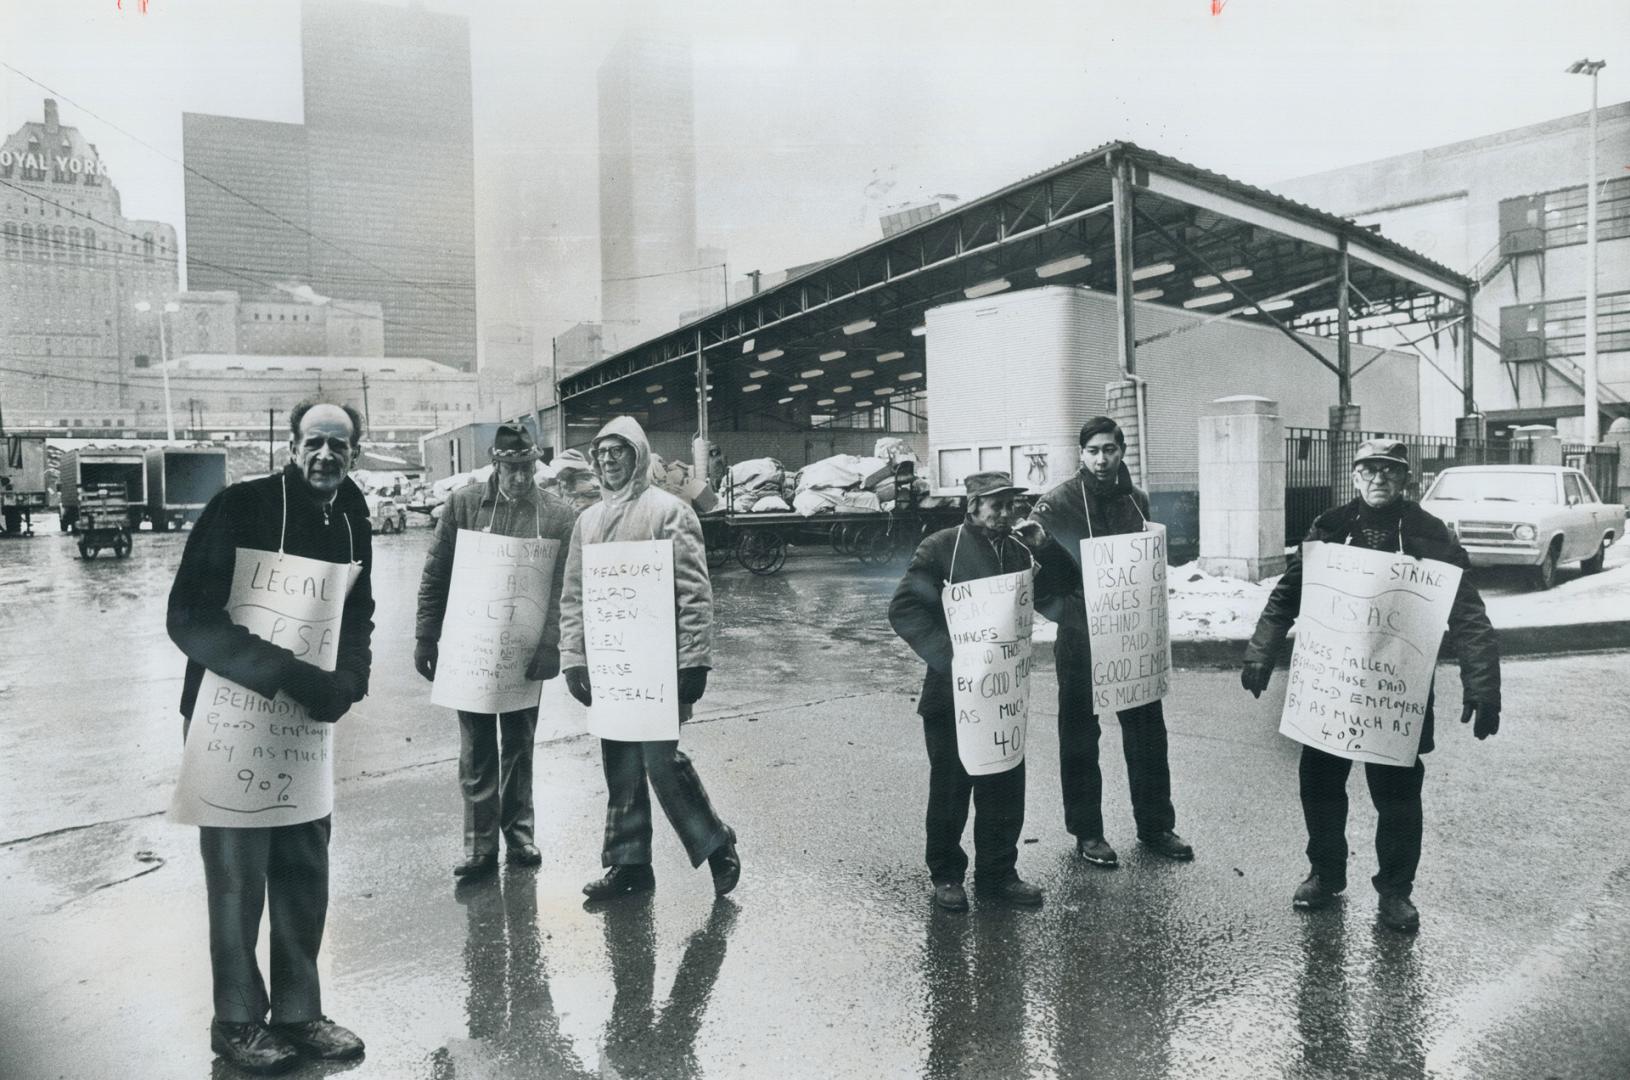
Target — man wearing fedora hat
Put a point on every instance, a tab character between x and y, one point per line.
1381	518
497	784
982	546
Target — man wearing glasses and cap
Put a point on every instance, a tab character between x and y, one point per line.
497	784
1380	518
982	546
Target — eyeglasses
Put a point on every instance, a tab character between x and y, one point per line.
612	451
1388	472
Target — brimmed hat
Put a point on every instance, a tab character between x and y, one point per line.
994	482
1388	450
512	443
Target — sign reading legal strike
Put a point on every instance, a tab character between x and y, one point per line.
630	640
497	604
1124	580
989	620
251	761
1366	645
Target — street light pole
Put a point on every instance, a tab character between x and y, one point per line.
1592	388
163	363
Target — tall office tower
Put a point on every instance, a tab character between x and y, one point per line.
647	186
371	198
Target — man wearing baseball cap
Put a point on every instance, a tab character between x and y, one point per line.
497	784
982	546
1383	519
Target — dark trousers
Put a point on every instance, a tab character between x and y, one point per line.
1143	740
245	869
628	802
497	785
1396	792
998	802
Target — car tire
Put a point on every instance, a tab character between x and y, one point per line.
1594	564
1545	572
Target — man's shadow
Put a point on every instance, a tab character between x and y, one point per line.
642	1039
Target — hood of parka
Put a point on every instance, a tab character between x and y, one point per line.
629	431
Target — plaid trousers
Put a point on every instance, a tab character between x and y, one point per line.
628	802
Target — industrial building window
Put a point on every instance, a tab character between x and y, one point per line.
1557	327
90	245
147	247
139	360
1563	213
11	238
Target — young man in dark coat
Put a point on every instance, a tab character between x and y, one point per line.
1382	519
982	546
497	784
1099	500
312	510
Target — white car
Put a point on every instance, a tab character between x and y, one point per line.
1526	515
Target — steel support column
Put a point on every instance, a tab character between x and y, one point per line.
1468	342
699	447
1120	179
1344	341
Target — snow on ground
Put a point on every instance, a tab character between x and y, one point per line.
1203	607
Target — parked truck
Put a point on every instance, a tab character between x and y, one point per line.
180	480
98	469
23	487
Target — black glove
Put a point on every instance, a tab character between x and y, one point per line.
577	684
424	658
326	695
545	664
1254	677
1488	718
692	684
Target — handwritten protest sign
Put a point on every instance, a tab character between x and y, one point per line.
1366	645
251	761
990	620
497	603
630	639
1124	580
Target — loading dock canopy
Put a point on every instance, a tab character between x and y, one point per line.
840	337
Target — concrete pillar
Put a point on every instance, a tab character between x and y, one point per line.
1344	431
1542	441
1242	488
1122	401
1471	428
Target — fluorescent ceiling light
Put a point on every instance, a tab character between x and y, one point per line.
1206	281
797	386
659	401
918	331
862	404
883	391
860	327
835	354
1152	270
842	389
1062	266
783	401
1208	299
759	374
1276	305
825	401
861	374
907	376
751	387
812	373
771	354
654	388
886	357
985	288
615	401
1148	294
747	346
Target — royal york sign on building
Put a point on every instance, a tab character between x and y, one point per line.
60	163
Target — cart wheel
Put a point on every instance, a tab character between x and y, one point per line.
876	548
762	552
122	544
843	538
717	556
85	551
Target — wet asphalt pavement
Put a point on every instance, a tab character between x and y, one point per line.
828	961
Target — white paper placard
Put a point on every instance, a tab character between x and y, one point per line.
252	761
497	603
989	620
1123	578
1366	646
630	640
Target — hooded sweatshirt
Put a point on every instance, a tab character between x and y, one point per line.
1081	507
638	511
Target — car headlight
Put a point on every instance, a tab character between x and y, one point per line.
1525	532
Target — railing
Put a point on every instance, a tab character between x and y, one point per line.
1312	485
1600	463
